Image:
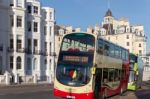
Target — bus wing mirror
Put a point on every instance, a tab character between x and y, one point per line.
93	70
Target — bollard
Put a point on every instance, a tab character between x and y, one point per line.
35	79
16	78
7	78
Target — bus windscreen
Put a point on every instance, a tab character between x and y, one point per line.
75	59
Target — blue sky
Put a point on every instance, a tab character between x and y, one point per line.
84	13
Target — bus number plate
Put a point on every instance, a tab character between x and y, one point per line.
71	97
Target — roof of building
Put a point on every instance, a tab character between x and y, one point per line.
108	13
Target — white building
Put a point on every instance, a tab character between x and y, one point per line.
29	40
146	72
131	37
4	26
119	31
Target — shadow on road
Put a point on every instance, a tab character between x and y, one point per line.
144	92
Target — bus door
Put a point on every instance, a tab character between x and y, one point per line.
98	80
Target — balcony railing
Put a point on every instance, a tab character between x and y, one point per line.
37	52
21	50
52	53
10	49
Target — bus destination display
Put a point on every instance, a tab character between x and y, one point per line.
82	59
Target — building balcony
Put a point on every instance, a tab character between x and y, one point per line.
10	49
52	53
37	52
21	50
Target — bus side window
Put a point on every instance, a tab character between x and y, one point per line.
111	75
106	48
100	46
127	55
117	52
105	75
111	50
123	54
116	75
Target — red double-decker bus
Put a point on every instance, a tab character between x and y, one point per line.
90	67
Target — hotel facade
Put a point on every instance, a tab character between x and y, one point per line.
27	50
120	32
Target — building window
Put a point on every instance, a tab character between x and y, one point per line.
35	44
29	67
50	30
59	39
19	21
50	46
140	45
29	26
50	62
34	63
11	20
45	30
18	62
29	44
128	44
19	3
29	8
45	61
140	52
11	62
127	36
45	64
50	15
11	43
35	9
45	46
19	44
35	27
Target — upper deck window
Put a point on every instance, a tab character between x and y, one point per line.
78	42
